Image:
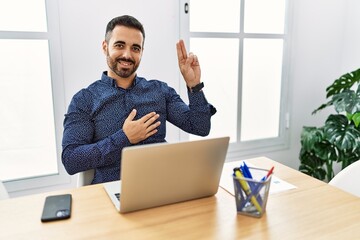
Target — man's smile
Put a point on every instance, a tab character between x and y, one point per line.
125	62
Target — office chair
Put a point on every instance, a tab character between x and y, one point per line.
86	177
3	192
347	178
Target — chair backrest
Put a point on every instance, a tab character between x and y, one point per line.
347	179
3	192
86	177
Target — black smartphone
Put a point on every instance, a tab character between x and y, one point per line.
56	207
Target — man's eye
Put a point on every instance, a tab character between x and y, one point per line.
136	49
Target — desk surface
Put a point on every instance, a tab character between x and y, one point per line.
313	210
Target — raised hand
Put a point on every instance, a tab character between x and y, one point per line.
189	65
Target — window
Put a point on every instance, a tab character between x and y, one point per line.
242	49
31	95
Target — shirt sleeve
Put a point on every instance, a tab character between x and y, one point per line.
80	152
193	118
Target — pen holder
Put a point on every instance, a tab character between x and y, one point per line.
251	194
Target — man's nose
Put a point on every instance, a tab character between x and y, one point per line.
127	53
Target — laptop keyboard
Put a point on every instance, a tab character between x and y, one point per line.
117	195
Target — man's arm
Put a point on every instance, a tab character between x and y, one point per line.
195	118
81	152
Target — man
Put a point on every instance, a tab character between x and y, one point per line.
123	109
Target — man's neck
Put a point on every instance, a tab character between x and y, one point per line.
124	83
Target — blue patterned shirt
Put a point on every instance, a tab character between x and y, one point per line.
93	137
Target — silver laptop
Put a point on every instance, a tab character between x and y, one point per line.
158	174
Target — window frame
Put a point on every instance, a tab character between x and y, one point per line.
240	148
58	93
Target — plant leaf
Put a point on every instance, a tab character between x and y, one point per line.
348	157
310	136
356	119
326	151
311	165
339	132
325	105
346	81
347	101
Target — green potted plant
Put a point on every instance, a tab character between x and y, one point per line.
339	139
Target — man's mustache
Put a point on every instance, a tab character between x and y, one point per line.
125	60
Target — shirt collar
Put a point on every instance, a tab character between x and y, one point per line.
112	82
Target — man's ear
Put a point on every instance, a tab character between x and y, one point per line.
104	47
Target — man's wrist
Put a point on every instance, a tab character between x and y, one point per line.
196	88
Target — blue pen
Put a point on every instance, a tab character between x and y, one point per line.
246	172
258	188
246	169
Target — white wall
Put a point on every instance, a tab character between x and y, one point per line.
351	40
324	46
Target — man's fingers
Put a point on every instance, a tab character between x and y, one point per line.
152	125
148	116
196	61
191	59
131	115
151	133
181	50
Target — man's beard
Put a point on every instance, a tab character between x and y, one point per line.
121	72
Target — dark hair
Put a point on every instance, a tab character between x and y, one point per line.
125	20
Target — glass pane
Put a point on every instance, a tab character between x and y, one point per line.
219	72
27	139
15	15
214	16
261	89
264	16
